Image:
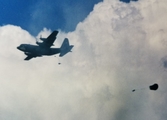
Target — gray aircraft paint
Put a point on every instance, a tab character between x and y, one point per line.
43	48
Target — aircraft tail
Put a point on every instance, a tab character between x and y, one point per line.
65	47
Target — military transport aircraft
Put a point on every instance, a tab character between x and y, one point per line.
44	48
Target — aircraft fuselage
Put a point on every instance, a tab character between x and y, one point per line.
35	50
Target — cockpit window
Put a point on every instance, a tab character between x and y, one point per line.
22	47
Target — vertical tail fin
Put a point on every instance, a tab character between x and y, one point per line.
65	47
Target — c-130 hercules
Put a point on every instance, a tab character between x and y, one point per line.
44	48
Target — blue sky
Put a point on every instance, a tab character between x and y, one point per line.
34	15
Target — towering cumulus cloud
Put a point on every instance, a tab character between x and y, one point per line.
117	48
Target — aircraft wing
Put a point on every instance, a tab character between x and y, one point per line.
50	39
29	57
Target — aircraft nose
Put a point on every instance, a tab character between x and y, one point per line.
18	47
21	47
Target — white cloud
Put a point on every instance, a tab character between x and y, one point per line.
117	48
